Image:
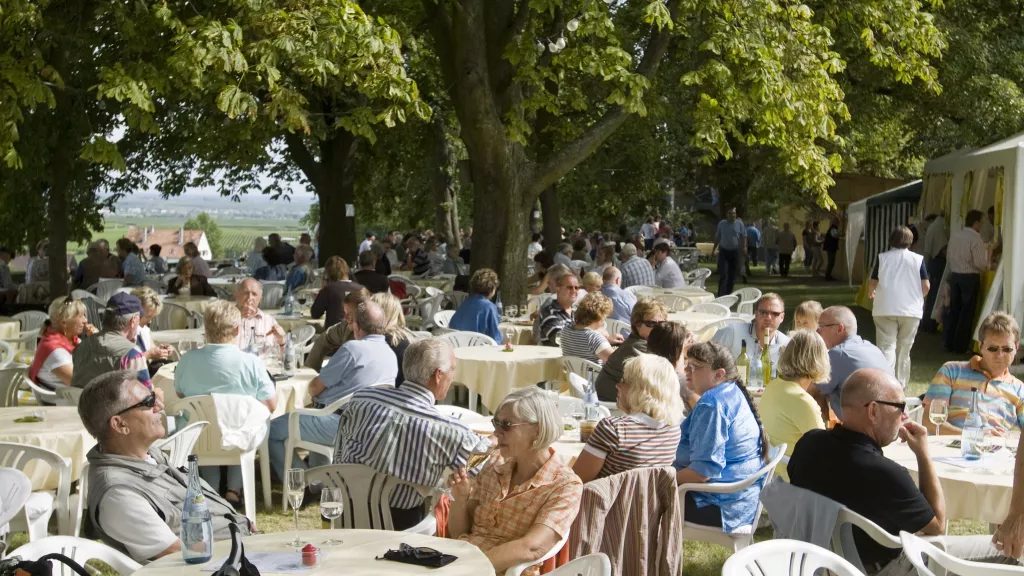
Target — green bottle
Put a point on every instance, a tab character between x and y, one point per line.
743	364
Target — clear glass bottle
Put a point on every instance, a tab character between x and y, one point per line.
196	524
251	348
973	432
289	356
756	368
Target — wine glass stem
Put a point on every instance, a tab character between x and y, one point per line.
296	509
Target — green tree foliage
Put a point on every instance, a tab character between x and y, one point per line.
214	235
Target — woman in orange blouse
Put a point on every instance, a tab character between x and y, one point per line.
519	507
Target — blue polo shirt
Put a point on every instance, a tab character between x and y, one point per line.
849	356
730	233
222	369
356	365
477	314
622	301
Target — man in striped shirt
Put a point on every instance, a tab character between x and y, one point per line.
557	314
399	431
635	270
968	257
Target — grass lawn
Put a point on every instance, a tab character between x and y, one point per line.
702	559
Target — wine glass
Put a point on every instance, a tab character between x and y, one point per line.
938	413
1011	441
184	346
331	507
295	485
510	335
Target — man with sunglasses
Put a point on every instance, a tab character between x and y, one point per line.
769	312
846	464
847	353
1000	394
558	313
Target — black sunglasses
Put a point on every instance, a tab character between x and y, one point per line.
1004	349
418	552
901	405
652	323
147	402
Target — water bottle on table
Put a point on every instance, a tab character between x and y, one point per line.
974	431
196	525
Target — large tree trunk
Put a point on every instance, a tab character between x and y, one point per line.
62	168
551	212
446	192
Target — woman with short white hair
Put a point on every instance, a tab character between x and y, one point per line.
255	260
151	307
517	509
647	436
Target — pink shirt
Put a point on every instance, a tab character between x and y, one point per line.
263	323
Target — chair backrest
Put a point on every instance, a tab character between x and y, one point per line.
535	303
918	550
6	354
273	296
202	408
86	295
456	298
429	306
69	395
711	308
42	394
303	335
581	367
18	456
172	316
223	292
698	277
674	303
106	288
11	380
180	444
614	326
442	318
78	549
15	489
786	558
842	535
589	565
462	339
915	409
31	319
728	301
747	294
366	493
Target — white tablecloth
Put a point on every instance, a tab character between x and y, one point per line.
354	557
693	321
493	373
62	432
9	328
292	393
290	323
695	296
970	494
173	337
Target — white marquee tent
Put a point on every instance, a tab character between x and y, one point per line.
876	216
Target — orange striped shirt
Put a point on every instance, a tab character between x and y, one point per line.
631	442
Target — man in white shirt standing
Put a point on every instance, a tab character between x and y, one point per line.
368	242
666	271
968	258
649	230
769	312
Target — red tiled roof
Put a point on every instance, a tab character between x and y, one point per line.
170	241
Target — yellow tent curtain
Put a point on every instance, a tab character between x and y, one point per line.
999	202
965	198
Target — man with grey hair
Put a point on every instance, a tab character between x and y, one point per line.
622	300
636	271
113	348
256	328
135	497
846	464
847	353
382	424
365	360
564	255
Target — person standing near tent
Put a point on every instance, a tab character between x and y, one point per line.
831	247
968	258
935	241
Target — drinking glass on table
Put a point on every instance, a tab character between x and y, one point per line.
184	346
1011	440
938	413
331	507
295	486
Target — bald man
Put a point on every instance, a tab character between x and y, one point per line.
622	300
846	464
847	353
256	327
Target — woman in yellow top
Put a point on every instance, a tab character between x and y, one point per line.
787	409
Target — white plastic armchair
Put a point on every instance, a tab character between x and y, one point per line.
78	549
748	297
786	558
698	277
842	537
106	288
728	301
172	316
179	445
295	441
304	338
589	565
15	490
367	491
11	381
518	569
919	549
580	367
31	322
711	308
6	354
273	296
41	504
443	318
68	395
614	326
915	409
43	396
674	303
744	536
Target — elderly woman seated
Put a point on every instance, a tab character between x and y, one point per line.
587	337
52	366
647	436
135	495
301	274
151	307
188	283
477	313
221	367
330	299
518	508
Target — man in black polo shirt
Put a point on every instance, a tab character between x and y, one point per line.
846	464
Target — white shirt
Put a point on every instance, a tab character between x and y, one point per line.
648	231
532	249
734	335
936	238
59	357
668	275
142	532
365	245
899	284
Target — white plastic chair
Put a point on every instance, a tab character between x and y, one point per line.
674	303
748	297
640	289
171	317
918	549
68	395
15	490
295	441
786	558
304	336
915	409
535	303
711	308
744	536
31	321
78	503
706	333
211	453
443	318
842	536
11	380
42	394
589	565
518	569
728	301
581	367
93	307
456	298
366	493
273	296
698	277
41	504
614	326
180	444
6	354
462	339
430	306
106	288
78	549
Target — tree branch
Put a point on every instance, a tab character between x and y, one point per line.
302	158
564	160
441	29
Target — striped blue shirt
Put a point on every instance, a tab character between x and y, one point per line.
399	432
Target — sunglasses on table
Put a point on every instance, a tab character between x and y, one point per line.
148	402
505	425
901	405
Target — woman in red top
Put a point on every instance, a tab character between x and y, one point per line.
51	366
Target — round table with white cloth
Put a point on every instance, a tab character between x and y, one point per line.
522	333
62	432
9	328
493	373
981	491
173	337
693	321
292	393
356	555
289	323
695	296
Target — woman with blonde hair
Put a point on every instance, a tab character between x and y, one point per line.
151	307
647	436
806	315
51	365
396	334
787	408
330	300
188	283
587	338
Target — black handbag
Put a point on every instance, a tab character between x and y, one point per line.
237	564
427	557
15	566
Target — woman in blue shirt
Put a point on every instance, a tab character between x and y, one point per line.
722	440
477	313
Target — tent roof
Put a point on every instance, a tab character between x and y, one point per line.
1011	142
909	192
